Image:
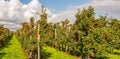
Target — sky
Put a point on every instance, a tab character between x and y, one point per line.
58	5
14	12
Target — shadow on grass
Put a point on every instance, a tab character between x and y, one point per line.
5	45
102	57
2	54
117	53
45	55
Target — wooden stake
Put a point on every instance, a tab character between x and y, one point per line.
38	42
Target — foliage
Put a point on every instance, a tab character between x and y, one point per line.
88	37
5	35
28	34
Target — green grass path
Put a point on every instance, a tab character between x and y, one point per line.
13	50
58	54
114	56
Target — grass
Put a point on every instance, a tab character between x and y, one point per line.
61	55
117	51
13	50
58	54
115	55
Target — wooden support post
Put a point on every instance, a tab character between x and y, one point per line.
38	42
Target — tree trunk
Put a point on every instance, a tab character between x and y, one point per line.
67	37
66	50
38	42
55	34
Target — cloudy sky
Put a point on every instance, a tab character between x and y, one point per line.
14	12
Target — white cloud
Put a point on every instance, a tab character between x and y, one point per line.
10	25
111	7
13	12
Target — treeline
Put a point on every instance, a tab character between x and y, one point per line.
5	36
88	37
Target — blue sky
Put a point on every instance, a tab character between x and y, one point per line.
58	5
